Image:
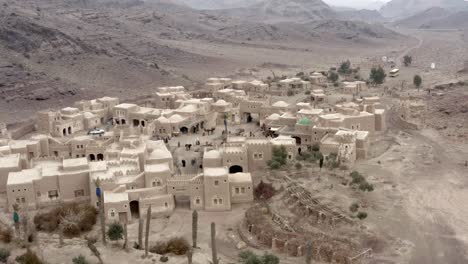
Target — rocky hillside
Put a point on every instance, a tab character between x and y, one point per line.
365	15
436	18
399	9
217	4
423	18
458	20
54	52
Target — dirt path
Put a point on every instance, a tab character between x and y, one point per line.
408	50
426	208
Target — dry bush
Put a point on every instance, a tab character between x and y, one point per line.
176	245
6	234
75	218
29	257
264	191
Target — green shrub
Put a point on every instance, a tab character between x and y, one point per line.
365	186
4	254
307	93
298	166
333	76
316	147
248	257
357	178
362	215
273	164
115	231
164	259
176	245
354	207
377	75
279	157
80	260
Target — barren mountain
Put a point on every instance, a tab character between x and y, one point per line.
54	52
274	11
458	20
404	8
217	4
423	17
366	15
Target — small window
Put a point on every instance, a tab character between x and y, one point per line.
18	200
197	201
166	205
237	189
38	194
79	193
242	189
112	214
53	194
215	201
216	182
220	201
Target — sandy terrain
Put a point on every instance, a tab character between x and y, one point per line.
417	209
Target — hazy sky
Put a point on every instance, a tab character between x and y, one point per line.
352	3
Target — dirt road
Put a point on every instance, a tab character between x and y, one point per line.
424	201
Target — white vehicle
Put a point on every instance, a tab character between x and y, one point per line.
394	73
97	132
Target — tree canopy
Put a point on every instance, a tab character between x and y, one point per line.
115	231
377	75
417	81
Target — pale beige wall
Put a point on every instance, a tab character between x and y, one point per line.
16	193
70	183
216	192
258	155
197	196
44	185
240	159
160	205
241	192
113	210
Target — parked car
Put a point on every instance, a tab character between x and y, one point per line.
96	132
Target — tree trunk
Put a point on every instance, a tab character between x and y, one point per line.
94	250
213	244
309	252
25	228
102	218
60	235
148	221
189	256
125	235
194	228
140	232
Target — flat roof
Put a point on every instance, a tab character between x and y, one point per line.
125	105
24	176
215	172
75	163
10	161
157	167
110	197
240	177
